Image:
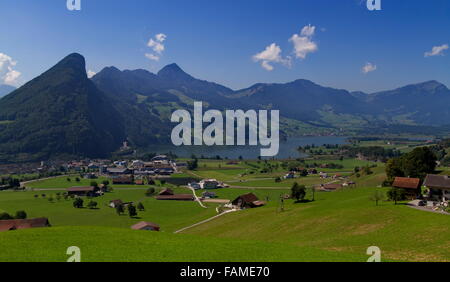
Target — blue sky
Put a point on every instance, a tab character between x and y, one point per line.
217	40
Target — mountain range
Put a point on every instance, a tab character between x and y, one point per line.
63	112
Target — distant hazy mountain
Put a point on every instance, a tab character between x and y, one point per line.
62	112
171	84
302	100
6	89
424	103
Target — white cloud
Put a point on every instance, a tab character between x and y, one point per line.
152	57
157	45
272	54
437	50
8	75
368	67
161	37
303	43
90	73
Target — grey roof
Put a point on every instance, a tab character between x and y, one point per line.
437	181
117	170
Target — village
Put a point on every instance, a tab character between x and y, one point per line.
195	196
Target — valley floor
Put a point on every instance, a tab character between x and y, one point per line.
336	226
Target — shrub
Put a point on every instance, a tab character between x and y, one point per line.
132	210
395	194
150	191
78	203
92	204
5	216
21	215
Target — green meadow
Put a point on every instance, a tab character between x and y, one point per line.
337	226
101	244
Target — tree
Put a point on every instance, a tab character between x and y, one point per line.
68	179
140	207
50	199
36	196
78	203
5	216
192	164
21	215
395	194
132	210
77	179
119	209
377	196
150	191
92	204
298	192
94	183
420	162
417	163
105	182
313	193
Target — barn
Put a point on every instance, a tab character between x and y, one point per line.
247	201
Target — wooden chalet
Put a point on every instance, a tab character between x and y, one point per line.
247	201
411	186
439	186
176	197
90	191
145	225
15	224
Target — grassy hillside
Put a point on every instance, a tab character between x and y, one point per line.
170	216
337	226
101	244
345	221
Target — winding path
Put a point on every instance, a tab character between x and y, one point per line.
203	221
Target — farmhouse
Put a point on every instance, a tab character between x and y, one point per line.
209	195
247	201
83	191
144	225
177	197
439	186
209	184
194	185
166	192
330	187
411	186
115	203
14	224
118	171
126	179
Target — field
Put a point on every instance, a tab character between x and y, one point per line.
100	244
337	226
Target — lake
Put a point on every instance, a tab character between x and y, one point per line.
288	148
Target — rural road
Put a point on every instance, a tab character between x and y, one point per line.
196	198
203	221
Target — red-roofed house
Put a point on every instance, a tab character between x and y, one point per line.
411	186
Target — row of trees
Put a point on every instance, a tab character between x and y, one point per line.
18	215
132	211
